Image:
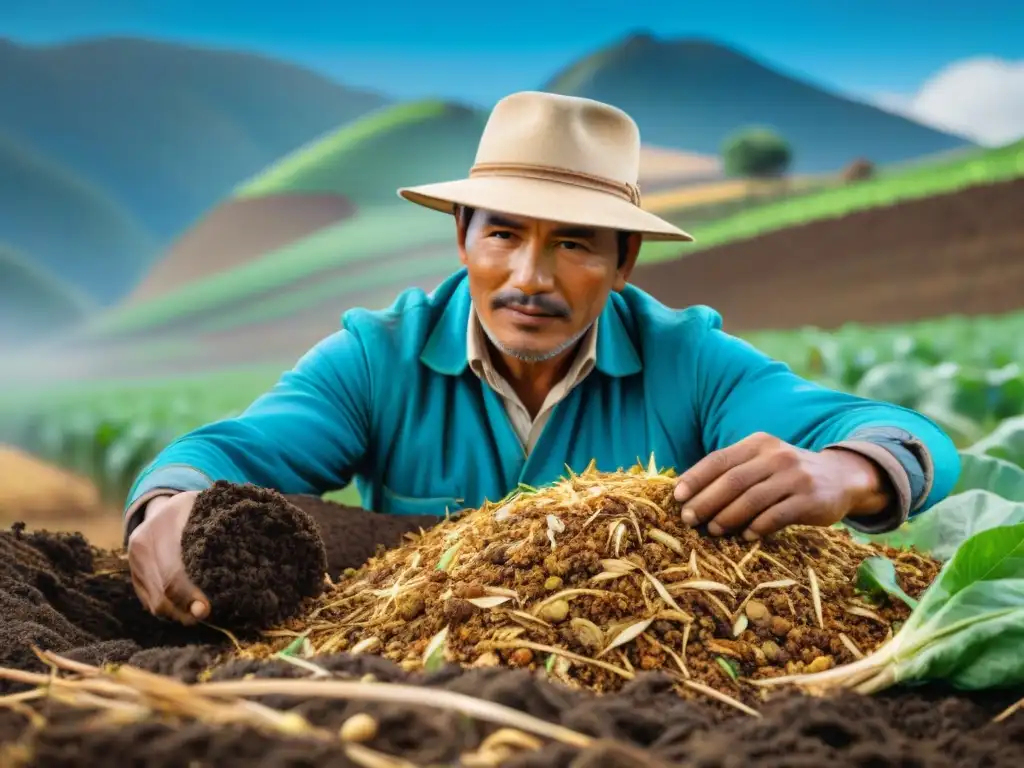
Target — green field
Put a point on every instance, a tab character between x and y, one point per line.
374	233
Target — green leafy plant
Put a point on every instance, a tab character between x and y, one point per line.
979	471
947	526
876	577
967	630
1005	442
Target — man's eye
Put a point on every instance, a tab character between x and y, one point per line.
571	245
501	234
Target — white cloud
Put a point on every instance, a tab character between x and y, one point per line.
980	98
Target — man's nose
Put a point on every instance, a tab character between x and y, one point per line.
533	269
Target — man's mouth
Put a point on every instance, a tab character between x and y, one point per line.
529	311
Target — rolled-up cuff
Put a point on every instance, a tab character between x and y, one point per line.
164	481
898	512
136	512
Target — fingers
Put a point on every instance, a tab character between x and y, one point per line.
716	463
142	592
752	502
179	600
187	599
789	511
154	555
724	490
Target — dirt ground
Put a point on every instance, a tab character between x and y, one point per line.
951	254
51	498
58	593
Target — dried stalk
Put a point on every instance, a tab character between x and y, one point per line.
1009	712
207	697
397	694
719	696
365	757
747	557
816	596
623	673
851	646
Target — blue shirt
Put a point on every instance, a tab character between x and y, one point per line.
389	403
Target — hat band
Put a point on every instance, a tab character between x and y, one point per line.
628	192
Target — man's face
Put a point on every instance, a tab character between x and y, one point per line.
539	285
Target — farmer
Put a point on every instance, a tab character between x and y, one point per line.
538	354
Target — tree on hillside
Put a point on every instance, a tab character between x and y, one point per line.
860	169
756	153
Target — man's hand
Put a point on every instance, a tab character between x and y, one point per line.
762	484
154	555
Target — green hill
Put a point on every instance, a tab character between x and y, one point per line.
34	302
167	130
69	225
364	162
692	93
404	243
367	160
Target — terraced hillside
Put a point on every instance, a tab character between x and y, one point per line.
270	309
326	219
387	246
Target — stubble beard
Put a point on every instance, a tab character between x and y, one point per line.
530	356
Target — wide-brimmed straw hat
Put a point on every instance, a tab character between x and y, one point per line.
557	158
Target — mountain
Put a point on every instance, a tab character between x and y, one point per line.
693	93
166	130
68	226
33	301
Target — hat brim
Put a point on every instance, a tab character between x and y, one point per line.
547	200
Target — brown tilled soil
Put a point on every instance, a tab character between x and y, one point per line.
238	231
58	593
950	254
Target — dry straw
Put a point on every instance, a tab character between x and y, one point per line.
595	579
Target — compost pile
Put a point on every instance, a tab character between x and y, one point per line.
88	674
596	579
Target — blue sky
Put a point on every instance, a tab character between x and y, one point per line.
480	51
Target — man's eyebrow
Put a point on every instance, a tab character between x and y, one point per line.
579	233
496	220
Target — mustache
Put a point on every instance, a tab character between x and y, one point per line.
539	302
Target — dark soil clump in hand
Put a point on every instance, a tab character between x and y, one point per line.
256	556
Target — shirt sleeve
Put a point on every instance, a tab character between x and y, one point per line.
741	391
308	434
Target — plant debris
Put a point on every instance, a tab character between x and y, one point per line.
600	572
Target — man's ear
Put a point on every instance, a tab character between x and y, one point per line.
632	253
461	227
